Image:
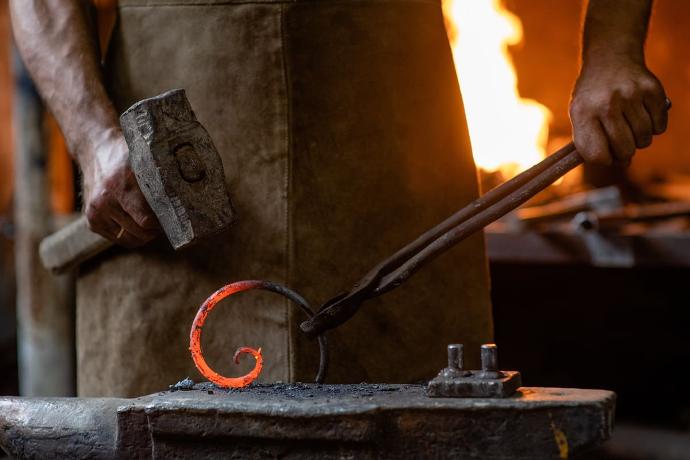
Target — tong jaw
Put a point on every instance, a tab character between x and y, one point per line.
333	313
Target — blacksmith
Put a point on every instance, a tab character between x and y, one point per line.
343	137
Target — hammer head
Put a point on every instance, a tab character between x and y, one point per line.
177	167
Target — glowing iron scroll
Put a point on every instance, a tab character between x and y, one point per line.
243	381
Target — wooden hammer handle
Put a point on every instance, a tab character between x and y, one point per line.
70	246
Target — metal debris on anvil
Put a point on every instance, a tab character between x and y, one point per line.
456	382
299	390
185	384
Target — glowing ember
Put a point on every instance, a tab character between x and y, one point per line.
508	133
195	340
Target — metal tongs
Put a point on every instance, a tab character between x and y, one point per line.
396	269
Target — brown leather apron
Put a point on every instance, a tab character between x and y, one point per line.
343	137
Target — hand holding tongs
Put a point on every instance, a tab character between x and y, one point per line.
395	270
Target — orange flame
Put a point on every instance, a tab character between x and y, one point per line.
508	133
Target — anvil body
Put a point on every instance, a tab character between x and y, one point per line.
298	421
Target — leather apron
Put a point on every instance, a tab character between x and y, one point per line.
342	134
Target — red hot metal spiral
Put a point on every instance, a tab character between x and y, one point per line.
210	303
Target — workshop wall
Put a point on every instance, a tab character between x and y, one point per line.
8	349
5	111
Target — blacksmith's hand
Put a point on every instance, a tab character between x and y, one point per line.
113	203
616	108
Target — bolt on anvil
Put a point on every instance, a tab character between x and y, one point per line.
489	382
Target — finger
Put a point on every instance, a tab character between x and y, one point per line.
102	224
126	239
590	141
658	110
640	123
135	234
620	136
139	210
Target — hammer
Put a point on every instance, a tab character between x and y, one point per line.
179	172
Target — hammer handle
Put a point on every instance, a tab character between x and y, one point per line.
70	246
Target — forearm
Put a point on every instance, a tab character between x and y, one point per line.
59	50
615	29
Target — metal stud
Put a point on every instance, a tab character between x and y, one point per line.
455	362
489	357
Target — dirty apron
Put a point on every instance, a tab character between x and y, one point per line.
342	134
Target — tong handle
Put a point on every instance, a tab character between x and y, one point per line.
478	221
396	269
